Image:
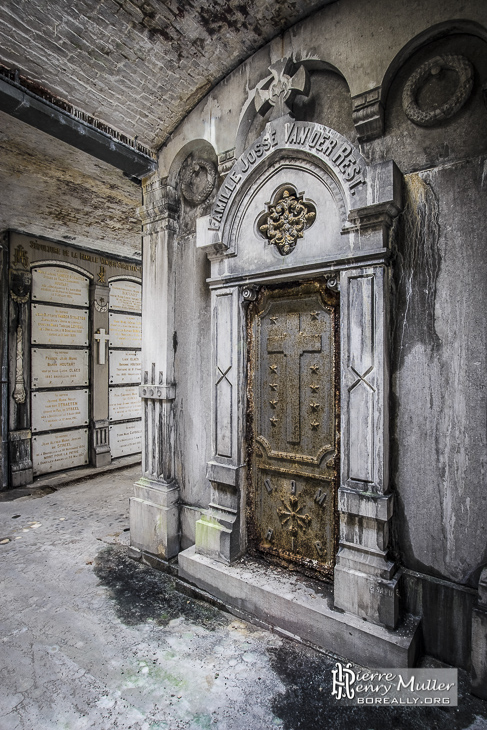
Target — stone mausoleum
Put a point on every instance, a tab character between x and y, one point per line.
309	395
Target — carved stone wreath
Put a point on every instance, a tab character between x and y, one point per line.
197	180
423	118
286	221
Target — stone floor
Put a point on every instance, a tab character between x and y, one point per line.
91	639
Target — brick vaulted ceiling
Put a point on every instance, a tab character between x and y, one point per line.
138	65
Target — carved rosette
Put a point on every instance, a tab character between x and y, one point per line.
433	67
286	221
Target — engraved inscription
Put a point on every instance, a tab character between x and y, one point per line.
57	451
124	403
59	325
125	330
59	368
125	295
59	285
125	438
59	409
124	366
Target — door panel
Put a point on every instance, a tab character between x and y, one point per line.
293	396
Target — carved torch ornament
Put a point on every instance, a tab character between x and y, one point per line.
286	221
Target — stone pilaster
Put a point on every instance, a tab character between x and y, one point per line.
218	532
154	509
479	640
366	580
100	447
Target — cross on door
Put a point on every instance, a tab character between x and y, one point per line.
102	340
292	344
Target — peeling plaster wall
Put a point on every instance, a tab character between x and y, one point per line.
51	189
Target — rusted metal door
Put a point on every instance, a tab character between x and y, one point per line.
293	404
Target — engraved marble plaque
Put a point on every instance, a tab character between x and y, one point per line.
59	325
57	451
125	330
59	409
59	368
125	295
124	366
125	438
124	403
57	284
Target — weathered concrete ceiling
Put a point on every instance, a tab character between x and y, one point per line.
138	65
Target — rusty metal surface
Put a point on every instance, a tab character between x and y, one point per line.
294	436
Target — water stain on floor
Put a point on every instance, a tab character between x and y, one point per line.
141	593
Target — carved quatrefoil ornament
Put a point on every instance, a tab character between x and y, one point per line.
286	220
433	67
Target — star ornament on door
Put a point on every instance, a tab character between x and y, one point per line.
286	220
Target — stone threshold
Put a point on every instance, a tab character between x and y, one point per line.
63	479
76	475
301	609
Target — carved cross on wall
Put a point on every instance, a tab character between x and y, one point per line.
292	344
102	340
283	89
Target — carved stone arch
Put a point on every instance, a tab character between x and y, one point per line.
352	184
295	162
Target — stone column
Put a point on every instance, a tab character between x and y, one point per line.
365	578
479	640
154	509
218	533
100	448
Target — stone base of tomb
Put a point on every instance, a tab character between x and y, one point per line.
302	608
154	517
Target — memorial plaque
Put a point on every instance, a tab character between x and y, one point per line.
59	409
125	295
124	366
57	451
125	330
125	438
124	403
59	325
57	284
59	368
